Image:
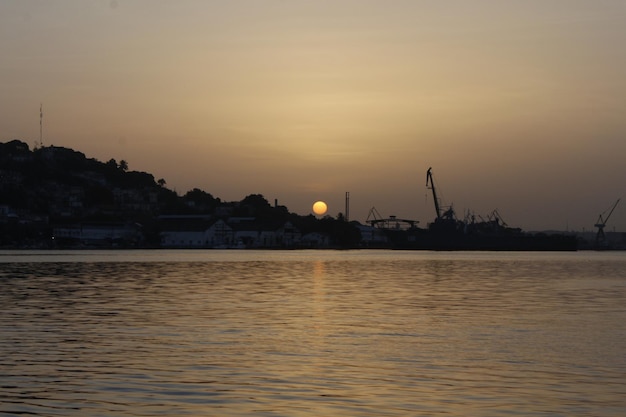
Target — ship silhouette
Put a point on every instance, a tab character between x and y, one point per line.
447	232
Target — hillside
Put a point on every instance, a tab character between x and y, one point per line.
52	191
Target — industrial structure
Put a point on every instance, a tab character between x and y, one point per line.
447	232
390	223
601	223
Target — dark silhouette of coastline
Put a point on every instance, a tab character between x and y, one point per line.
56	197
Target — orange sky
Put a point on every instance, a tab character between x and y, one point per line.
518	106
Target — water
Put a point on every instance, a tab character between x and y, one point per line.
312	333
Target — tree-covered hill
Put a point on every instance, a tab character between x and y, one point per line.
46	187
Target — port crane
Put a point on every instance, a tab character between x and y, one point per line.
601	222
392	223
447	214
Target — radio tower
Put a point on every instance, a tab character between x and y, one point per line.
41	124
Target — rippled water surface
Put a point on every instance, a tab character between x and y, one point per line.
312	333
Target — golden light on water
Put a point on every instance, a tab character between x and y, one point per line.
320	208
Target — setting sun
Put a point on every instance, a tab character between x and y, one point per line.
319	208
348	95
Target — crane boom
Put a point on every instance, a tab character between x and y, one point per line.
429	178
600	237
611	212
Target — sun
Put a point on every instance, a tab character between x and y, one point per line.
319	208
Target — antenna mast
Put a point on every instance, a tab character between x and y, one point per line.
41	124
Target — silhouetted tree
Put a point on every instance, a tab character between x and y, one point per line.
201	200
253	205
255	200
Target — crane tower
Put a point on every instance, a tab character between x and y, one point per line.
600	237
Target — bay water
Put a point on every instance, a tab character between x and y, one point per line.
312	333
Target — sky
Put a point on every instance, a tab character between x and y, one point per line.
518	106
